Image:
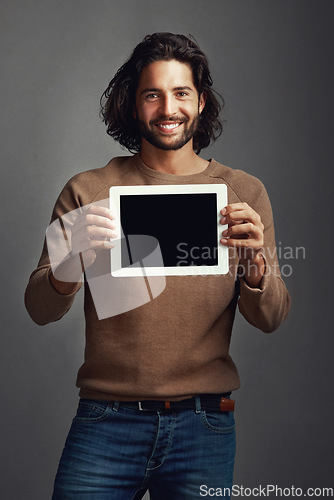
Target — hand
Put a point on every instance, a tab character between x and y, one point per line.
245	232
90	233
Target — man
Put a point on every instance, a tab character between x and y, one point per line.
155	411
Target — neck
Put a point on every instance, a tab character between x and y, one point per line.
184	161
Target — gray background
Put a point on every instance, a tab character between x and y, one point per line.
271	60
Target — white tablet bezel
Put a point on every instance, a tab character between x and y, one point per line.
115	192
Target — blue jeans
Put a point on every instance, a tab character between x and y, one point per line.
115	452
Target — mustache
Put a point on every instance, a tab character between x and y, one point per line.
168	119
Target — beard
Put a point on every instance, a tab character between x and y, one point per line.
160	142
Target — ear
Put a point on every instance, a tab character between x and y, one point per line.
134	113
201	102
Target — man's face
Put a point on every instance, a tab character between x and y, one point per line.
167	105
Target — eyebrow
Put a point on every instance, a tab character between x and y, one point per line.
159	90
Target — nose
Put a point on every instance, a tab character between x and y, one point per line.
168	106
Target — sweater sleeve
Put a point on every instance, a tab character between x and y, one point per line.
267	306
43	302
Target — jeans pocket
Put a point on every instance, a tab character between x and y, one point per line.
221	422
90	410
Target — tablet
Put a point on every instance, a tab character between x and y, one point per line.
168	230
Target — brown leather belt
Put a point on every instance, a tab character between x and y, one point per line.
208	402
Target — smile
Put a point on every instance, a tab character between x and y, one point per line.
168	126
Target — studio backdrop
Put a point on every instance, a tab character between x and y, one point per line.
272	62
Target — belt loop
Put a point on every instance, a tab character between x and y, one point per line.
115	405
198	404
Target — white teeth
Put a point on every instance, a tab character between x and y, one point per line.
169	127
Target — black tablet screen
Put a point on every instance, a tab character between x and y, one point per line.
185	225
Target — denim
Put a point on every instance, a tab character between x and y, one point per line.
117	452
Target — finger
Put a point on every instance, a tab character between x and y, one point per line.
81	238
91	244
236	211
231	221
247	214
234	207
99	233
102	211
102	244
93	220
248	230
95	215
240	243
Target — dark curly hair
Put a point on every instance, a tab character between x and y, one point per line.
118	100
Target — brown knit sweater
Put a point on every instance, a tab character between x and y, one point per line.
177	344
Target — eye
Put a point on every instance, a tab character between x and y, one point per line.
182	94
151	96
